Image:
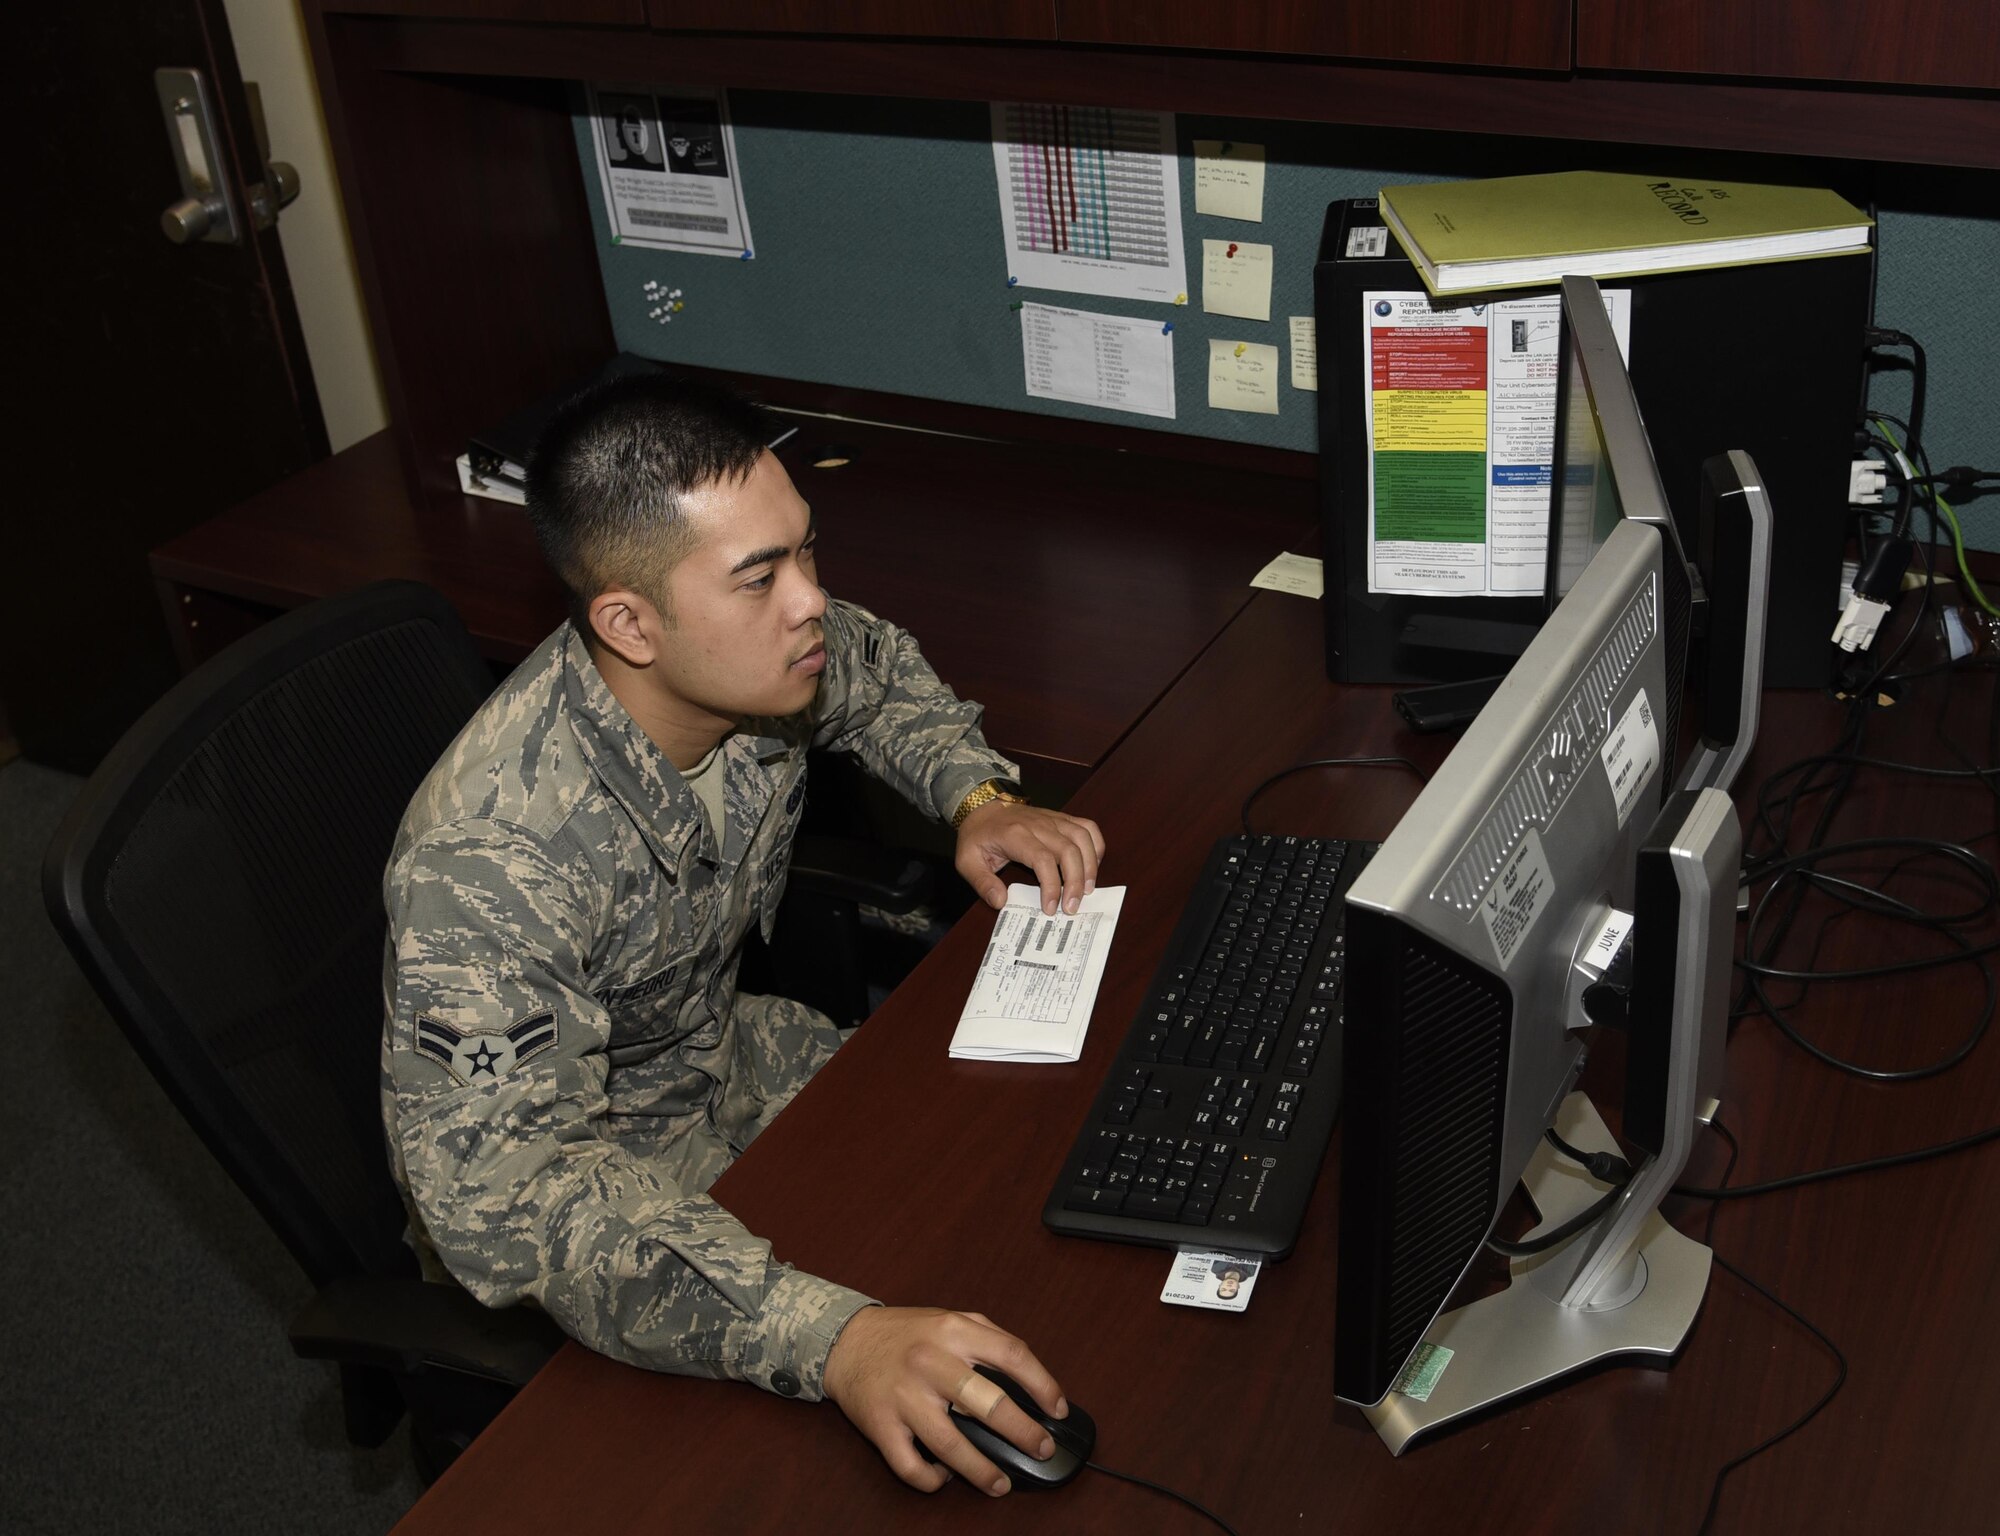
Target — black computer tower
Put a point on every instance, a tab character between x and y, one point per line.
1765	358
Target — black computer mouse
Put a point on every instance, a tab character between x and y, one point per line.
1074	1437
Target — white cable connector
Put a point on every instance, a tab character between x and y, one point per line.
1859	621
1866	480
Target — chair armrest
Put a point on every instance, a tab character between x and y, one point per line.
846	869
403	1324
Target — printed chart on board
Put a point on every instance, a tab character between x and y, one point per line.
1090	200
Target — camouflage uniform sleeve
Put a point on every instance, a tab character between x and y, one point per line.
880	701
498	1068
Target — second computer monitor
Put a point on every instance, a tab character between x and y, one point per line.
1466	932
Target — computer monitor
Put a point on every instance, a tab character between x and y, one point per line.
1551	850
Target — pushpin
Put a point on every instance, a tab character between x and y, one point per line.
746	255
1180	298
1227	146
1230	252
1167	329
1015	305
615	239
1012	281
1242	347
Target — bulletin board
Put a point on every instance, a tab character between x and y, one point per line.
879	261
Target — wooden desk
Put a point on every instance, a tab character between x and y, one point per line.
921	1180
1064	588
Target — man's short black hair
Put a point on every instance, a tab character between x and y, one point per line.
608	473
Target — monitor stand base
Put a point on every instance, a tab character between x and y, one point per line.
1524	1337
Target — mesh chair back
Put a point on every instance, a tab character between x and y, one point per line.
219	880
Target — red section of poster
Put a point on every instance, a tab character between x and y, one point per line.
1428	357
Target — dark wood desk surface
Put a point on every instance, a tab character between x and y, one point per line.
921	1180
1063	588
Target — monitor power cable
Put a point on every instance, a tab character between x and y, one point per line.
1325	762
1840	1360
1605	1167
1608	1165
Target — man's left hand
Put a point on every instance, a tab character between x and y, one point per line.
1062	851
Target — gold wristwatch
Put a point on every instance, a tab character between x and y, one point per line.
986	794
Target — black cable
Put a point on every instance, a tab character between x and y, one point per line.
1607	1166
1757	972
1883	337
1326	762
1207	1514
1840	1360
1821	1175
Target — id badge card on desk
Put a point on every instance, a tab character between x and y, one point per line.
1219	1281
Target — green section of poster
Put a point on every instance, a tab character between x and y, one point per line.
1430	498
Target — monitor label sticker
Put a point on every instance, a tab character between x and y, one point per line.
1517	898
1632	755
1421	1372
1368	240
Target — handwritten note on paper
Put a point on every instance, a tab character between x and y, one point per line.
1236	279
1305	352
1120	363
1243	376
1229	179
1300	574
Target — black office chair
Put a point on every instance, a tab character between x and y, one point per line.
219	881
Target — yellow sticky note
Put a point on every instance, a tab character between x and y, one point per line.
1229	179
1305	352
1243	376
1300	574
1236	279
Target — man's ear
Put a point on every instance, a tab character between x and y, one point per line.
627	624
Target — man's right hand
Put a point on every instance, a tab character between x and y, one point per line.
896	1371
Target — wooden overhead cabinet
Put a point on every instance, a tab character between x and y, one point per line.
1952	43
878	18
1523	34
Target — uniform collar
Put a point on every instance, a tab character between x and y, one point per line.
626	760
644	780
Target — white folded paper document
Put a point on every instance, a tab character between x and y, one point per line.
1032	998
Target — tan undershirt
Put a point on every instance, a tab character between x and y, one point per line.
705	779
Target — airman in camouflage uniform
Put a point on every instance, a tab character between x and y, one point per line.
564	966
568	1065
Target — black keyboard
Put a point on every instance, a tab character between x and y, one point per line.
1212	1123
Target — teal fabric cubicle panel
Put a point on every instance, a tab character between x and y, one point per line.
879	262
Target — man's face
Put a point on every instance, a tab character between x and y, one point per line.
743	638
1230	1283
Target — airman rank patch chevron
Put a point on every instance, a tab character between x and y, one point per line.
487	1055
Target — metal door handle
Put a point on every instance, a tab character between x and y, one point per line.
205	210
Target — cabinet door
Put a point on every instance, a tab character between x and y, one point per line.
1902	42
882	18
630	13
1522	34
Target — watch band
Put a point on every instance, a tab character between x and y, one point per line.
986	793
